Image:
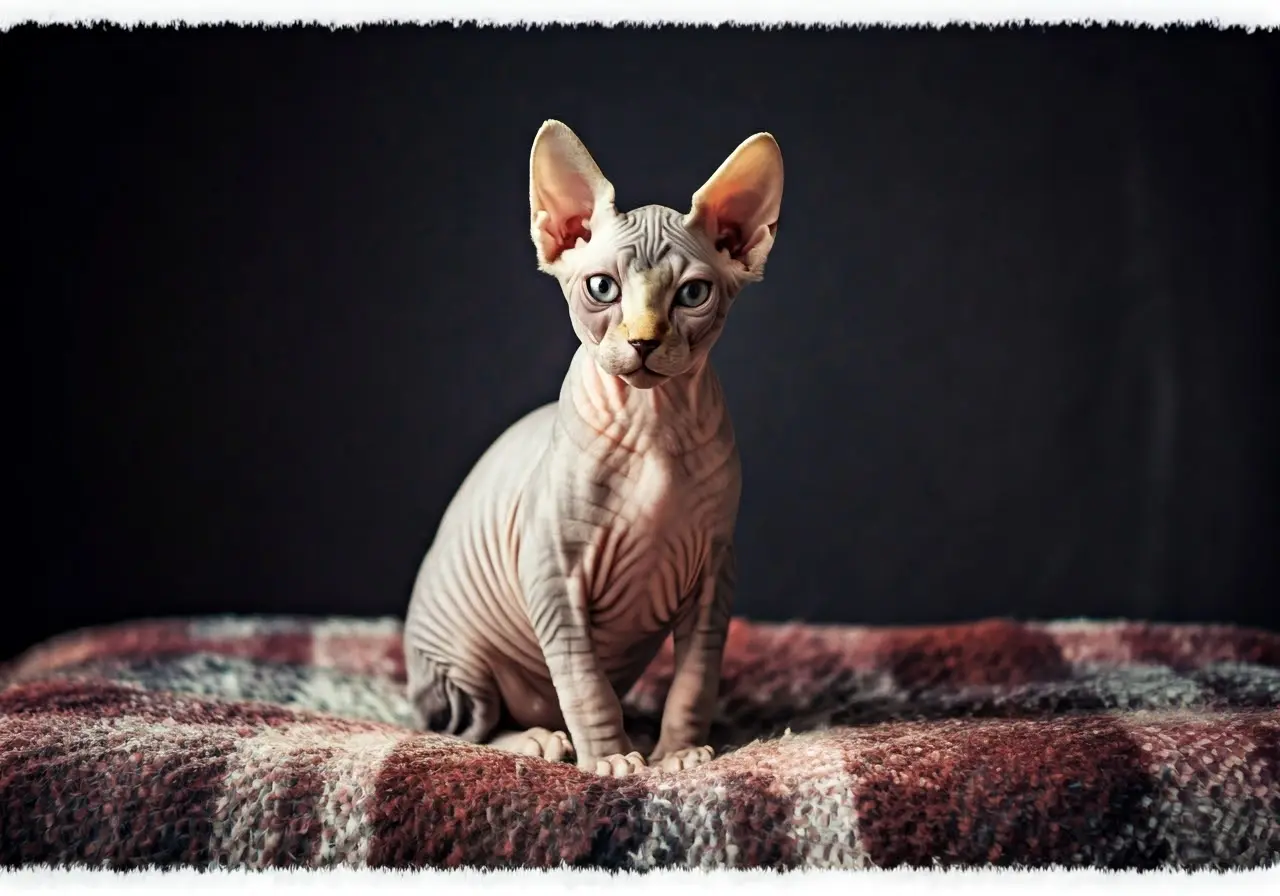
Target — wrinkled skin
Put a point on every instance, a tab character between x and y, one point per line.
599	525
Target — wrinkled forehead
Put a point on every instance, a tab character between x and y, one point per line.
654	239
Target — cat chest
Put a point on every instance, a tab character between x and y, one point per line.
641	582
646	558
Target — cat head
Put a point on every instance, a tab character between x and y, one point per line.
649	289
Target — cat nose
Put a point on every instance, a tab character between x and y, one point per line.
644	346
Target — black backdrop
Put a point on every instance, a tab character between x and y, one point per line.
1014	356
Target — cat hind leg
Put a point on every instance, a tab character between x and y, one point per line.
442	705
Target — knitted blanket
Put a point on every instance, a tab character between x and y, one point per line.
284	742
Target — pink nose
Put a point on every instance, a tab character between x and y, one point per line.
644	346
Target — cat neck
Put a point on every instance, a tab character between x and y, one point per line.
679	415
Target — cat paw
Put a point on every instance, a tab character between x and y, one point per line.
619	766
681	759
553	746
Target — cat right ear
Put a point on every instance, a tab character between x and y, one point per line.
567	191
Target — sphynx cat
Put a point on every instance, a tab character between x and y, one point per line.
598	525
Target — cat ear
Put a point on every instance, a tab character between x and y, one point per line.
738	207
567	192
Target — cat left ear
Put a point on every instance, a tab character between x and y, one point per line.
567	191
738	207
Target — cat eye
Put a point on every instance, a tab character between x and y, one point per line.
603	289
693	293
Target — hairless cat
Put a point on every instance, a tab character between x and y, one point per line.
599	525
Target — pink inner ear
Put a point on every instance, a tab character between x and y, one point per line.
734	224
558	236
729	238
574	229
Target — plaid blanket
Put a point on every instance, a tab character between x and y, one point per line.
285	742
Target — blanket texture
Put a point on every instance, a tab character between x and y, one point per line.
284	742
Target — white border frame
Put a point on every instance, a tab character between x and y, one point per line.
1159	13
1249	14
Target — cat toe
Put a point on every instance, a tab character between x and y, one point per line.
541	743
553	746
619	766
689	757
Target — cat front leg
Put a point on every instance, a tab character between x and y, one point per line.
699	643
592	712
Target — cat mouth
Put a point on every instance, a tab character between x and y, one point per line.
642	378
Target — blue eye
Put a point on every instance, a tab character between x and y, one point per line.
693	293
603	289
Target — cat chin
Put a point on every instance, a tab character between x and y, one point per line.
643	378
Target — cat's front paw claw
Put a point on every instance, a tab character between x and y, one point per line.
681	759
619	766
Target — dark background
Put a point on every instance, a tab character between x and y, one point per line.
1015	354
